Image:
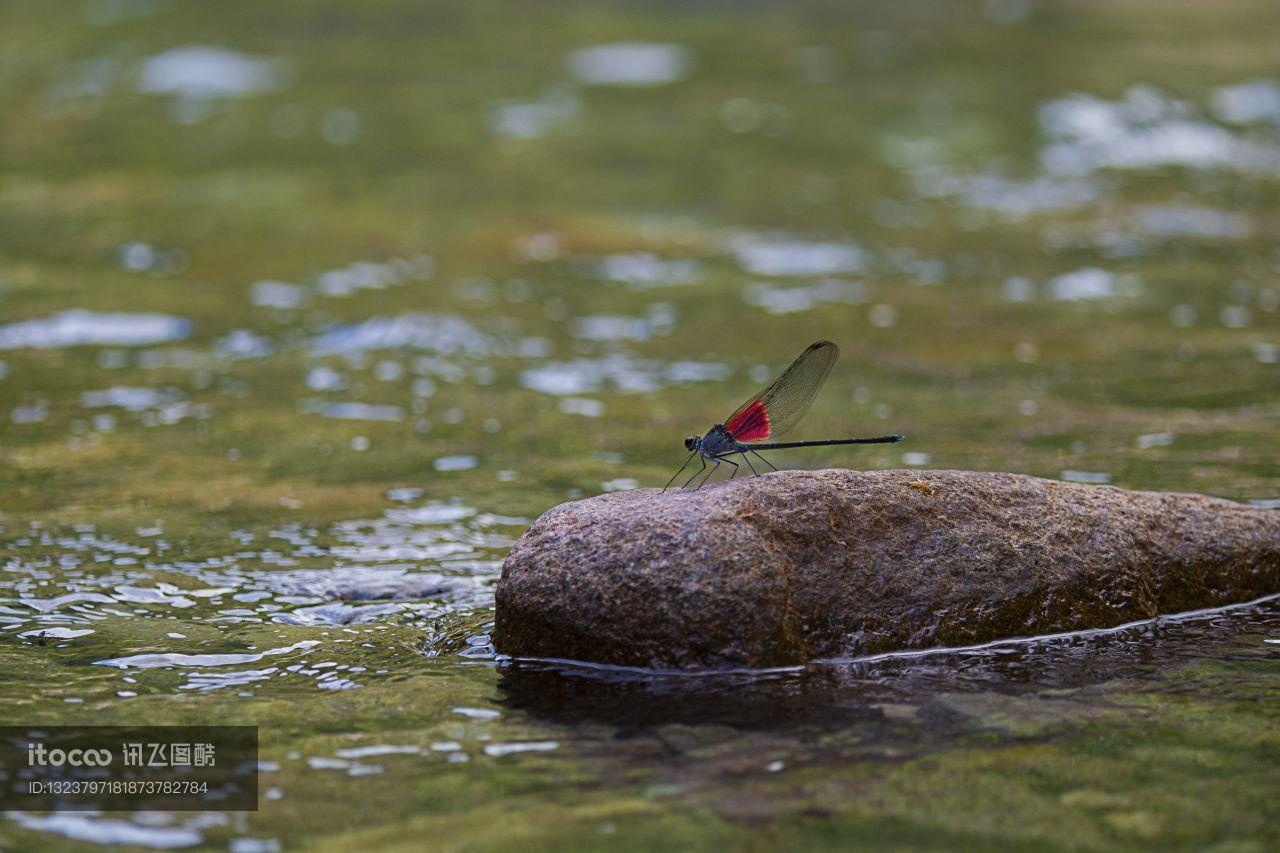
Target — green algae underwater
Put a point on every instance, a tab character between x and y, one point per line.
308	309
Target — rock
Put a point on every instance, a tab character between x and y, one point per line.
797	565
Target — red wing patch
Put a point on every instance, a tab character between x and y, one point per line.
751	424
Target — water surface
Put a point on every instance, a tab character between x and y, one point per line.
306	313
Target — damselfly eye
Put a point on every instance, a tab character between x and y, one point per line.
690	442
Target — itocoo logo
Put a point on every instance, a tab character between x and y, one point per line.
39	755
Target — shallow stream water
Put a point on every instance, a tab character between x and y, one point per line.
306	312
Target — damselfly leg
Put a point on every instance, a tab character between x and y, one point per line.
682	467
762	459
709	473
728	461
695	475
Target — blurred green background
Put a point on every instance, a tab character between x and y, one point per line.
300	300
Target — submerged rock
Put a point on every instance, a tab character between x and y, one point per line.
787	567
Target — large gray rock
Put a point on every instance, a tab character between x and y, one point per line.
796	565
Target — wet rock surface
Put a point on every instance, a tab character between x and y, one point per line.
798	565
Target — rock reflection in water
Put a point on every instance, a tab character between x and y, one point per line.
1061	676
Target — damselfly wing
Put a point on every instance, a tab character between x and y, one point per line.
783	402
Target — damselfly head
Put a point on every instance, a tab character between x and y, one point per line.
691	443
